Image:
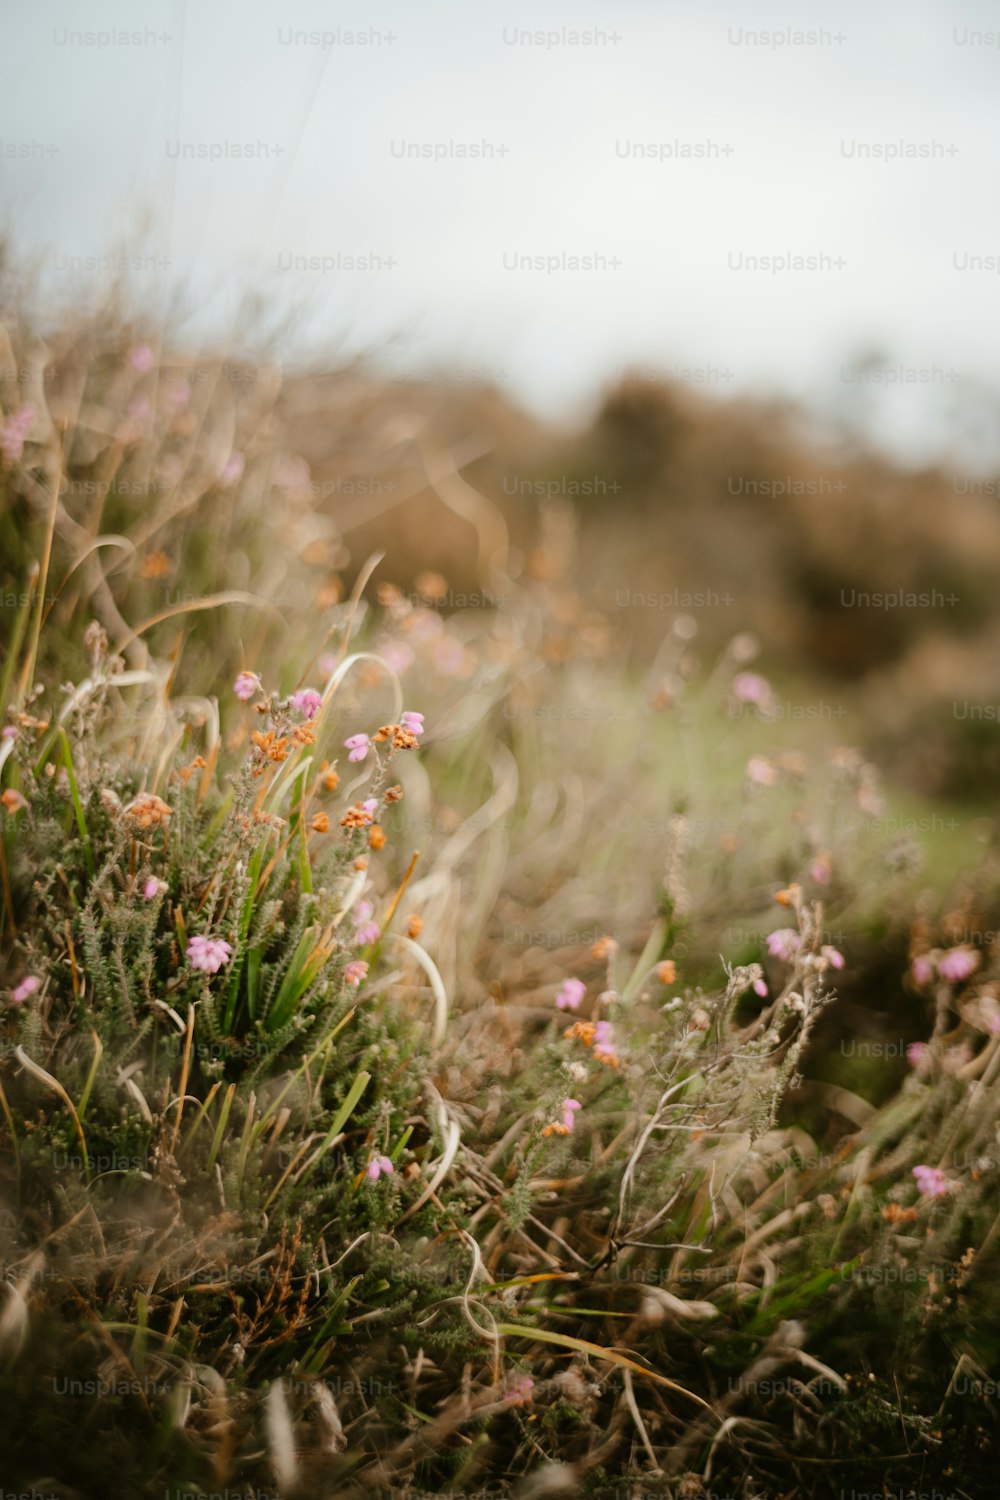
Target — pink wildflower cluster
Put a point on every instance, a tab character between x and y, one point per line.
931	1182
379	1166
307	702
14	432
785	943
604	1043
208	954
367	930
519	1391
953	965
25	989
750	687
355	972
246	685
570	994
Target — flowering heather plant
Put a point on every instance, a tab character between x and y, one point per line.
554	1189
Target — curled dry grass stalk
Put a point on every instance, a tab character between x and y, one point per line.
324	1171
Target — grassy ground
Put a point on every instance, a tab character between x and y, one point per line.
522	1107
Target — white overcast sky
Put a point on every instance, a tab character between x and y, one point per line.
101	127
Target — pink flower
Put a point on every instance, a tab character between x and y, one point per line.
370	806
604	1041
957	964
377	1166
142	358
820	869
760	988
359	746
750	687
923	968
14	432
355	972
152	888
932	1182
783	943
13	800
246	684
9	732
570	995
232	469
833	956
917	1053
761	771
208	954
307	701
26	988
397	656
519	1391
452	659
367	931
569	1109
413	722
993	1024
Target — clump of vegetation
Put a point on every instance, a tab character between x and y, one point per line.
420	1039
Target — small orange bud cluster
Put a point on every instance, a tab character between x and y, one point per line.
897	1214
303	734
432	585
376	837
604	948
414	925
28	721
271	746
329	777
355	817
186	772
320	823
790	895
402	739
155	565
557	1128
666	972
148	811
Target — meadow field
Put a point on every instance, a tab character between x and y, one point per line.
500	977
